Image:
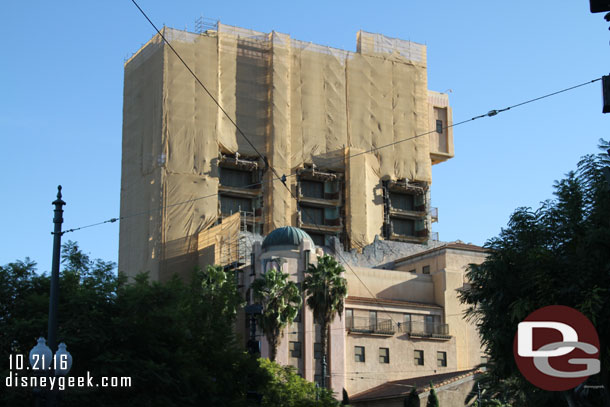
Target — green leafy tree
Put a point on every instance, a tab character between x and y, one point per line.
412	400
557	254
432	398
326	289
281	301
287	389
174	340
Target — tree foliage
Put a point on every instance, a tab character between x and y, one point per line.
432	398
281	301
412	400
326	289
557	254
174	339
287	389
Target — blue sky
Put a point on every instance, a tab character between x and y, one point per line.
61	81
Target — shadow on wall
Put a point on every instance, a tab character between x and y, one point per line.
251	93
181	258
419	288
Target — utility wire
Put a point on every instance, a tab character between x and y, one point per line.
207	91
284	177
275	173
491	113
111	220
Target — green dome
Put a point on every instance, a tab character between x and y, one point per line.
286	237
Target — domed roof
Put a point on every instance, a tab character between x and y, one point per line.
285	237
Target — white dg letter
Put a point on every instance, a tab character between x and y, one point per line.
525	338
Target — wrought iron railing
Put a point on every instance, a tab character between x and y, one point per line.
417	328
367	325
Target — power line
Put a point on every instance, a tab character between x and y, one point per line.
284	177
111	220
491	113
207	91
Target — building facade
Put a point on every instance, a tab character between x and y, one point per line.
402	321
335	142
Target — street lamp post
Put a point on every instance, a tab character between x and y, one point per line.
54	297
45	364
41	356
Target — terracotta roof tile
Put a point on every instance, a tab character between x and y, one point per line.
399	388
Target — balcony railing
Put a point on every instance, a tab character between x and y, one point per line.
304	220
425	329
365	325
433	214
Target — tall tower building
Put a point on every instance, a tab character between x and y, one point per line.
353	135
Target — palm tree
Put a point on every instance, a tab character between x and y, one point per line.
281	301
326	290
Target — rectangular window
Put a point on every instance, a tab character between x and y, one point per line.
384	355
331	189
311	215
312	189
405	227
439	126
331	216
318	238
441	117
441	359
295	349
235	178
349	318
431	324
425	270
419	357
231	204
407	322
359	353
373	320
405	202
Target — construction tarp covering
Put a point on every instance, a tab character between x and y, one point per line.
242	70
141	198
189	142
364	198
280	201
220	244
298	103
318	105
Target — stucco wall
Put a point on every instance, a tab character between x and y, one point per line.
361	376
389	284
